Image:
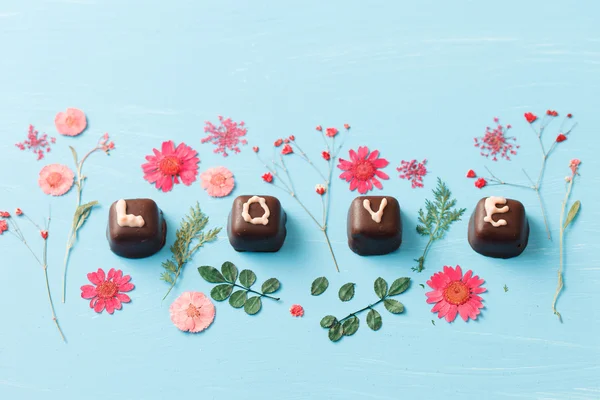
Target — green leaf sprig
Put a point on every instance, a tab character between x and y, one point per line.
435	221
188	239
348	325
227	280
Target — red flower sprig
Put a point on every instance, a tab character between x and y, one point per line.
37	144
279	175
544	122
495	143
413	171
228	135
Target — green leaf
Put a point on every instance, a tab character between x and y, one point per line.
572	213
211	274
374	320
346	292
336	332
165	276
393	306
247	278
319	286
253	305
74	152
229	271
400	285
270	286
328	321
380	287
350	325
238	299
221	292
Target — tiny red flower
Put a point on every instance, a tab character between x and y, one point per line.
286	141
292	138
569	115
4	214
530	117
331	132
297	310
255	148
552	113
3	226
287	149
278	142
326	155
319	128
18	211
471	174
479	183
44	234
346	126
320	189
268	177
561	138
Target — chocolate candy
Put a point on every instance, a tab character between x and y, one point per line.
498	227
256	223
136	228
374	225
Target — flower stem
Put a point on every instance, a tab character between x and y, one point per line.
331	249
255	292
370	306
45	267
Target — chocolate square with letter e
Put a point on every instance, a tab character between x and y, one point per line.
136	228
374	225
256	223
498	227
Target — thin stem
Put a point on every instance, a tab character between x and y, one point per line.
303	156
255	292
331	249
287	172
45	267
559	285
174	282
370	306
539	195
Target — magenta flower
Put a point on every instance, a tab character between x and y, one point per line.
166	167
362	170
227	136
107	292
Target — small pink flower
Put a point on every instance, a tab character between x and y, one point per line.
278	142
319	128
107	292
471	174
530	117
4	214
479	183
454	294
297	310
268	177
331	132
255	149
192	312
287	149
413	171
574	165
292	138
56	179
229	135
168	166
362	170
36	143
347	127
561	138
3	226
320	189
70	123
218	181
44	234
569	115
326	155
18	211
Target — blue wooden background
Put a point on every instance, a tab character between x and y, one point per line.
415	80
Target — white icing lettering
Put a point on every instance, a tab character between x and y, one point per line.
127	220
376	216
491	209
264	220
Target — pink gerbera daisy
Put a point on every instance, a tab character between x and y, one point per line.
217	181
362	169
192	312
70	123
107	291
455	294
165	167
56	179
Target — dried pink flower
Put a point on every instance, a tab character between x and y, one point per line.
107	292
166	167
71	122
217	181
495	143
192	312
227	136
56	179
362	170
297	310
37	144
413	171
3	226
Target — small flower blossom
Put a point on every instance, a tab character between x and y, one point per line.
297	310
479	183
413	171
319	128
287	149
574	165
552	113
278	142
3	226
44	234
362	170
268	177
495	143
217	181
347	127
4	214
37	144
567	179
561	138
569	115
320	189
331	132
107	292
471	174
326	155
171	165
227	136
530	117
192	312
71	122
56	179
255	149
292	138
18	211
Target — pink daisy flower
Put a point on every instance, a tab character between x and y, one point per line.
192	312
362	169
455	294
297	310
170	164
107	291
217	181
71	122
56	179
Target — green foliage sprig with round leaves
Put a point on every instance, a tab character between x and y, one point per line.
244	297
348	325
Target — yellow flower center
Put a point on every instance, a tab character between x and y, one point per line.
457	293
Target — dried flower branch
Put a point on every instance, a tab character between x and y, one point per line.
39	145
18	233
227	136
535	186
573	211
82	211
279	175
188	239
495	143
440	214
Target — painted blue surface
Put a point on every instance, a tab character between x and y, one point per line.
415	80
